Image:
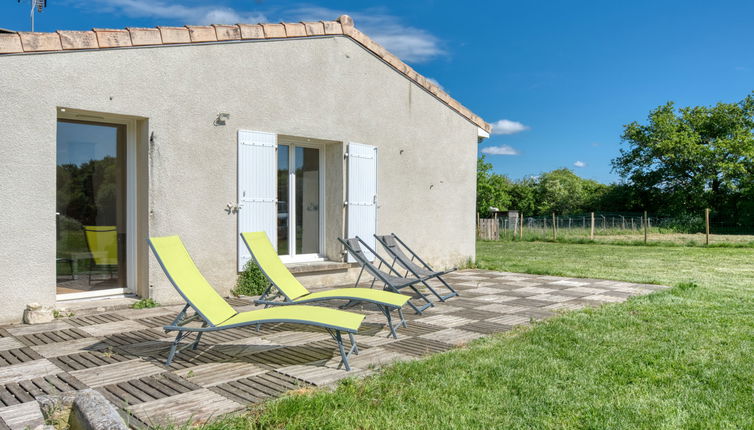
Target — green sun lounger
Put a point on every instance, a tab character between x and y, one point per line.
292	292
212	313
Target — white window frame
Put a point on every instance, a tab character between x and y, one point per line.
131	200
292	257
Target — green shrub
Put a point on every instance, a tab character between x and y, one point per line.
144	304
251	282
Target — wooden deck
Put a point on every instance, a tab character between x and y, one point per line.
122	353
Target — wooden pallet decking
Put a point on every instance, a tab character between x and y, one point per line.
121	354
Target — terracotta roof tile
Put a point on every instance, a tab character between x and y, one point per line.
145	36
37	42
294	29
202	33
314	28
10	43
332	27
78	39
112	38
272	31
227	32
249	31
175	35
14	43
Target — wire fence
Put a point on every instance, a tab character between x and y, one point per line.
705	228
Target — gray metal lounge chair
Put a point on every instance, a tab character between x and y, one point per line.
393	279
395	247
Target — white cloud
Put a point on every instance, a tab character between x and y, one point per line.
505	126
579	164
434	81
410	44
500	150
172	12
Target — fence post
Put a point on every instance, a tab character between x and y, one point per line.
591	235
706	221
554	228
521	229
646	222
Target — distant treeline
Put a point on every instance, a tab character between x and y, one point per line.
678	163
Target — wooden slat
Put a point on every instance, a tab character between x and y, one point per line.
196	405
115	373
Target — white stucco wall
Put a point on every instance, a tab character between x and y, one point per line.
327	88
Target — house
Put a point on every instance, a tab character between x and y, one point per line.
308	131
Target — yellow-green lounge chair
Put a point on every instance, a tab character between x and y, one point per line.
102	241
215	314
293	292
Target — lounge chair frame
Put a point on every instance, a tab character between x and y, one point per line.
424	271
268	299
378	274
180	321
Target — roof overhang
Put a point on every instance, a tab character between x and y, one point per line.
98	38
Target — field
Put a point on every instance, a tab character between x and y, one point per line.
676	359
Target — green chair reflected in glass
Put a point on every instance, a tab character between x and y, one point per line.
102	241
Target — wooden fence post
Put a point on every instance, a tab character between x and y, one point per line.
646	223
554	228
706	222
591	234
521	228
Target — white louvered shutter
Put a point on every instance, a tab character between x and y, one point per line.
362	194
257	187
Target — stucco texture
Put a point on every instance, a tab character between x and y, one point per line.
326	88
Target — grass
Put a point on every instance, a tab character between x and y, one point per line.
675	359
145	304
655	237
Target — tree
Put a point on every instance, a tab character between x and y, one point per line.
690	158
523	196
563	192
492	188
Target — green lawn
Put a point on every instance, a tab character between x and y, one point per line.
676	359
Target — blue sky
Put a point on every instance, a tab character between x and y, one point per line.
561	78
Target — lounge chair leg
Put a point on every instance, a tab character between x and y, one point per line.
452	290
354	345
196	342
343	356
442	298
386	311
349	304
173	347
403	320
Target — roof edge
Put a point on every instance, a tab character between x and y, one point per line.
100	38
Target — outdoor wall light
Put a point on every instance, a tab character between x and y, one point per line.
221	118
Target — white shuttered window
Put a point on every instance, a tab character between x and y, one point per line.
362	193
257	187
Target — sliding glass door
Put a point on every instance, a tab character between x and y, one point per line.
299	201
91	206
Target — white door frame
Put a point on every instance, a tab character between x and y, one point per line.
292	257
131	201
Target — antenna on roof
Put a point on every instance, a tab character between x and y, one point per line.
36	5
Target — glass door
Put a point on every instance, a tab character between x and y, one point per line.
91	207
299	201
